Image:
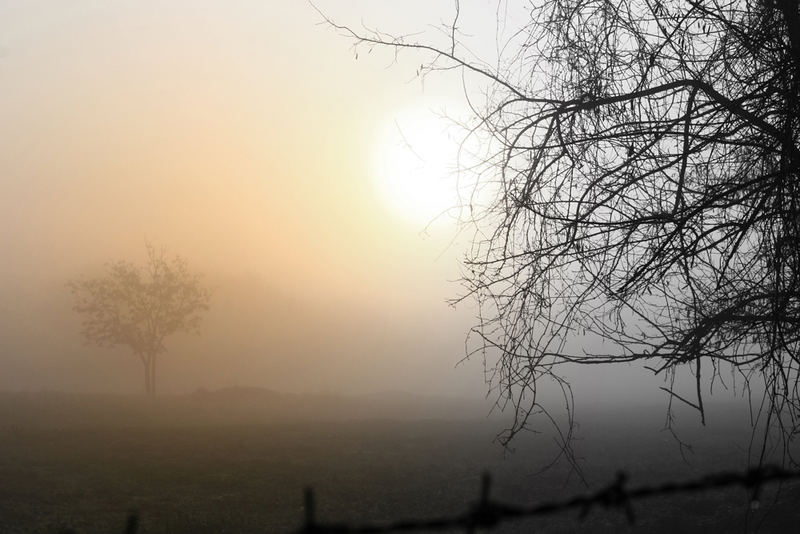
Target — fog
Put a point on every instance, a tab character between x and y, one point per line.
239	137
243	138
258	145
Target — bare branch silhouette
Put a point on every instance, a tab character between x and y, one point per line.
641	159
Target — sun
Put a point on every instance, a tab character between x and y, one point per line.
414	163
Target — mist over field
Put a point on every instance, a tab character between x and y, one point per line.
252	335
238	460
239	255
180	127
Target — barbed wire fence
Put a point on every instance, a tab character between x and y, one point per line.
487	514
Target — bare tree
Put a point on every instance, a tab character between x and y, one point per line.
642	159
139	308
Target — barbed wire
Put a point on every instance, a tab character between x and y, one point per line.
488	514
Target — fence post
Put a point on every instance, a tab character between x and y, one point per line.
308	497
133	524
480	514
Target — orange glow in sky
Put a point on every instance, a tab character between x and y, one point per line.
247	138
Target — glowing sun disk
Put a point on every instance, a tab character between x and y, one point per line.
414	163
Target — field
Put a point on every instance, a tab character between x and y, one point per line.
189	464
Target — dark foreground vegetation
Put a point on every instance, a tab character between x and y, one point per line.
183	465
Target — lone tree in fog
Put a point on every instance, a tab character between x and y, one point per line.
637	197
139	308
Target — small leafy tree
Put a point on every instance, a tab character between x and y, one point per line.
139	308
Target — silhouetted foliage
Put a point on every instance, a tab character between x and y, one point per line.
640	161
139	308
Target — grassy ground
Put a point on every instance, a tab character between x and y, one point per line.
88	472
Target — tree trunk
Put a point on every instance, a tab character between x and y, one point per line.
147	386
150	374
153	375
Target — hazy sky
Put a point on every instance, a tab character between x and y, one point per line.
248	138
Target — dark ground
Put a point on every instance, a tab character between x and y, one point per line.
232	463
